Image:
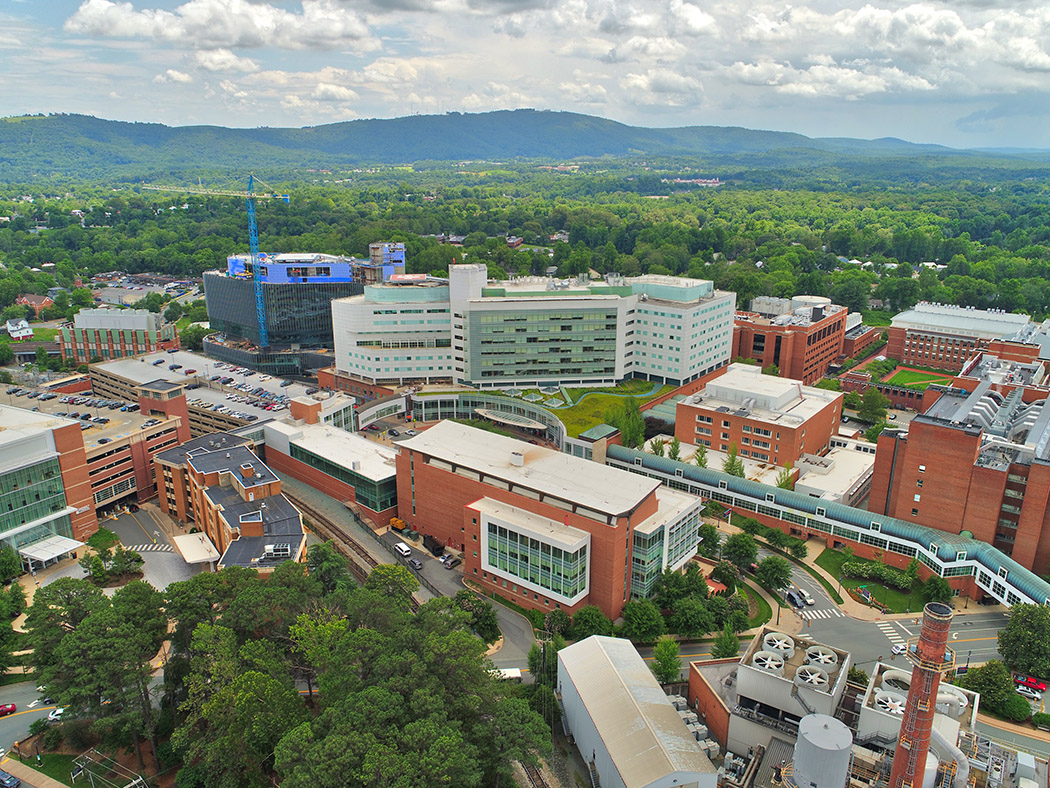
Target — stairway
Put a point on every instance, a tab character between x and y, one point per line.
595	782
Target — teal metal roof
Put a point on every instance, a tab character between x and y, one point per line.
948	544
599	432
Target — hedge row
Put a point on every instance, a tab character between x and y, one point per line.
886	575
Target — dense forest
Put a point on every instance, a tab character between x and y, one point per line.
990	241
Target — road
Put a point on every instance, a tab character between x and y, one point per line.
15	727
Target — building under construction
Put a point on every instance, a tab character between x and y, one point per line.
785	715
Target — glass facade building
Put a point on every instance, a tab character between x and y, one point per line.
376	495
29	494
529	559
296	313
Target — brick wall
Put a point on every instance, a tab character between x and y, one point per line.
705	700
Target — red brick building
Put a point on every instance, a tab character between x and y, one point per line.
115	333
543	528
976	461
941	336
769	419
802	343
37	302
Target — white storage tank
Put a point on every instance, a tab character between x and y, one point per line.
822	752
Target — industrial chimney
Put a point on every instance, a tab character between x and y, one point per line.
931	657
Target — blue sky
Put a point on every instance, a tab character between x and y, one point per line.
969	73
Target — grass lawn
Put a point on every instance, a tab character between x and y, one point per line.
634	386
182	322
40	334
877	317
915	379
763	611
897	601
56	766
591	410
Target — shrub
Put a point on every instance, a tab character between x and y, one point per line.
1041	720
102	539
36	727
1015	708
884	574
53	738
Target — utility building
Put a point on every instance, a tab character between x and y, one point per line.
626	728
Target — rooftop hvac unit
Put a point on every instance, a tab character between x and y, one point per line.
779	643
823	657
890	702
768	662
812	677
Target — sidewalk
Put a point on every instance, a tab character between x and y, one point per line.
30	776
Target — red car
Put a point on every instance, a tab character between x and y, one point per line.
7	708
1030	682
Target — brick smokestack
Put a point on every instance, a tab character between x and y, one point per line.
931	657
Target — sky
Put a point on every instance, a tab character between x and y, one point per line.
967	73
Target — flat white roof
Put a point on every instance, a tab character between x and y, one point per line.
375	461
952	319
671	505
643	733
848	466
550	531
18	423
589	484
744	391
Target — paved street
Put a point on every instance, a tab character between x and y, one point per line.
15	727
163	565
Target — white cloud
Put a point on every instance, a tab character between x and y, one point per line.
231	24
691	20
224	60
661	86
171	75
326	91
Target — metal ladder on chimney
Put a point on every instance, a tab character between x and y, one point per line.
595	782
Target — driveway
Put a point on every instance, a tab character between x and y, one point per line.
163	565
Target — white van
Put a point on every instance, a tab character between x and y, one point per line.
403	549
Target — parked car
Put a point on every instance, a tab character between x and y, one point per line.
393	433
415	563
56	715
158	362
8	708
1031	682
899	648
9	780
1028	692
410	432
453	563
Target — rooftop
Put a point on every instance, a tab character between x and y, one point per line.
162	385
232	459
965	321
362	456
641	729
672	504
281	523
744	391
564	536
215	441
606	490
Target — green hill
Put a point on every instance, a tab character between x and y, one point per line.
86	147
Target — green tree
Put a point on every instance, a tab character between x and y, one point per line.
691	618
544	702
993	681
740	550
590	620
771	369
10	564
700	456
328	566
394	582
785	479
192	337
851	400
774	572
1025	640
674	449
857	676
936	589
173	312
710	541
657	446
627	418
732	464
873	406
873	432
726	645
557	622
543	661
726	574
483	618
642	621
667	665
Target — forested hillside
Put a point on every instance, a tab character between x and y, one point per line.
78	146
993	241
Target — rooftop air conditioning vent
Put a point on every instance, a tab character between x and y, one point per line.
812	677
779	643
890	702
768	662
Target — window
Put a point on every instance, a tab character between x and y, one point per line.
918	483
914	511
922	469
916	497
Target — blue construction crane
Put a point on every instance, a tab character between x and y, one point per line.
250	197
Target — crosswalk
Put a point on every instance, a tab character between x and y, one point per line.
890	632
160	547
816	615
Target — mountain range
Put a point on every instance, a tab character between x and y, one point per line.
83	146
